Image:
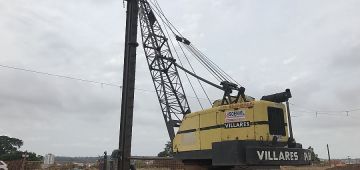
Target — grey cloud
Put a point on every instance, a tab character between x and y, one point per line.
348	59
252	40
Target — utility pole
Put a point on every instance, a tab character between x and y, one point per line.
105	161
127	100
289	120
327	146
24	156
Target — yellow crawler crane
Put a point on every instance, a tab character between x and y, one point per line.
242	133
236	132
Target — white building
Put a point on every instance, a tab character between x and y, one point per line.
49	159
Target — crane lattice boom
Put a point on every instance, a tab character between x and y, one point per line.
169	89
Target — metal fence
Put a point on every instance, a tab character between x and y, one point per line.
24	165
157	163
146	163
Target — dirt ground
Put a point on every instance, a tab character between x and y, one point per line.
304	168
348	167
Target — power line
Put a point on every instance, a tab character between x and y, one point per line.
326	111
77	79
305	109
316	112
59	76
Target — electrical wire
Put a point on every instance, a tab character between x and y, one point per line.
317	112
303	109
60	76
77	79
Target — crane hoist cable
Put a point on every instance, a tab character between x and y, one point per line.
206	64
227	75
228	84
166	26
212	67
158	7
187	77
164	68
201	85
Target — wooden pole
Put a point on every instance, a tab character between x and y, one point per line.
327	146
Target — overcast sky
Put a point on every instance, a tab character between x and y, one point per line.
311	47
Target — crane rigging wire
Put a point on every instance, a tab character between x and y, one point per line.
172	27
202	87
216	65
169	25
158	7
166	26
214	69
206	64
178	56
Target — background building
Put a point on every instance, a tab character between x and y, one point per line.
49	159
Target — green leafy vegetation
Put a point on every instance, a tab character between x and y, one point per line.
168	152
9	150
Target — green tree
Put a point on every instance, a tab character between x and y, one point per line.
9	150
115	154
315	157
168	152
9	145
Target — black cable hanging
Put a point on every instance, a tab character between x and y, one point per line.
209	62
169	24
158	7
206	65
227	75
178	56
220	75
201	85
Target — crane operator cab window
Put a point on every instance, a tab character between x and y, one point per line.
276	121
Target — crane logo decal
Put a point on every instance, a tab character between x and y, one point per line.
237	124
234	119
234	116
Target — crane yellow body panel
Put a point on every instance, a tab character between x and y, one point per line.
240	121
